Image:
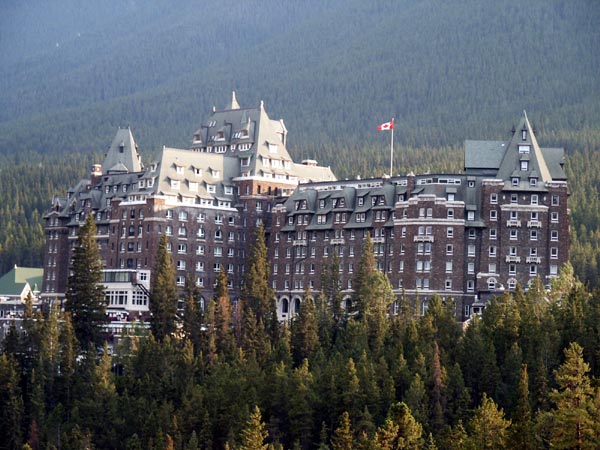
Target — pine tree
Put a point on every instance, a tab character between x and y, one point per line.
305	330
192	314
521	431
85	299
342	436
488	429
254	433
11	404
163	293
256	294
573	425
223	334
410	432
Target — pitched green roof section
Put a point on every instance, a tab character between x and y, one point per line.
13	282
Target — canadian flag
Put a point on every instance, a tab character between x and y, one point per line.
386	126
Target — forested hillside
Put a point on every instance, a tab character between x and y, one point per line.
70	73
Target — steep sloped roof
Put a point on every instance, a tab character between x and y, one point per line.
122	154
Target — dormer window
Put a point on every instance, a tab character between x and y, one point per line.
220	135
524	134
515	181
524	166
175	184
216	173
244	133
524	149
533	181
197	138
121	147
211	188
179	169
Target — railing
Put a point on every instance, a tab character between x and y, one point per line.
534	224
513	223
423	239
513	259
533	259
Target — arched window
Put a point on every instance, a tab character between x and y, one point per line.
285	306
296	306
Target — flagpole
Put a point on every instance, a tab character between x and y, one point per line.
392	151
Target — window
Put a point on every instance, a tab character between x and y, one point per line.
553	270
494	199
554	217
449	249
493	234
471	268
493	214
181	248
472	233
450	232
200	250
524	166
514	215
515	181
450	213
492	268
175	184
200	266
218	251
554	235
533	235
180	265
555	200
193	186
448	266
514	199
470	288
470	250
532	270
514	235
553	252
512	284
448	285
470	215
180	281
211	188
534	199
512	269
492	251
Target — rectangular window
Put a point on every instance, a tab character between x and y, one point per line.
493	214
471	267
470	250
554	217
492	251
553	252
555	200
492	268
554	235
448	266
450	232
494	199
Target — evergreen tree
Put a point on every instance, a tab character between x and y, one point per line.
85	299
305	330
163	293
330	286
342	438
223	333
256	294
572	419
521	431
11	404
488	429
254	433
192	314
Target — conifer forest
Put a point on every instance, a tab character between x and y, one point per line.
524	375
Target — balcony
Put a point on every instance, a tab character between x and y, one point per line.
423	238
533	260
378	240
513	223
299	243
513	259
340	241
534	224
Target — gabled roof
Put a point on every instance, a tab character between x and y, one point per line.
14	282
122	154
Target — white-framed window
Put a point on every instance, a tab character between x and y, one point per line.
200	249
470	250
515	181
494	199
175	184
534	199
471	268
450	213
449	232
512	269
181	248
199	266
514	235
533	235
493	234
180	281
524	166
553	270
492	268
211	188
448	266
555	200
193	186
180	265
532	270
449	249
493	214
514	199
554	217
448	285
492	251
553	252
554	235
